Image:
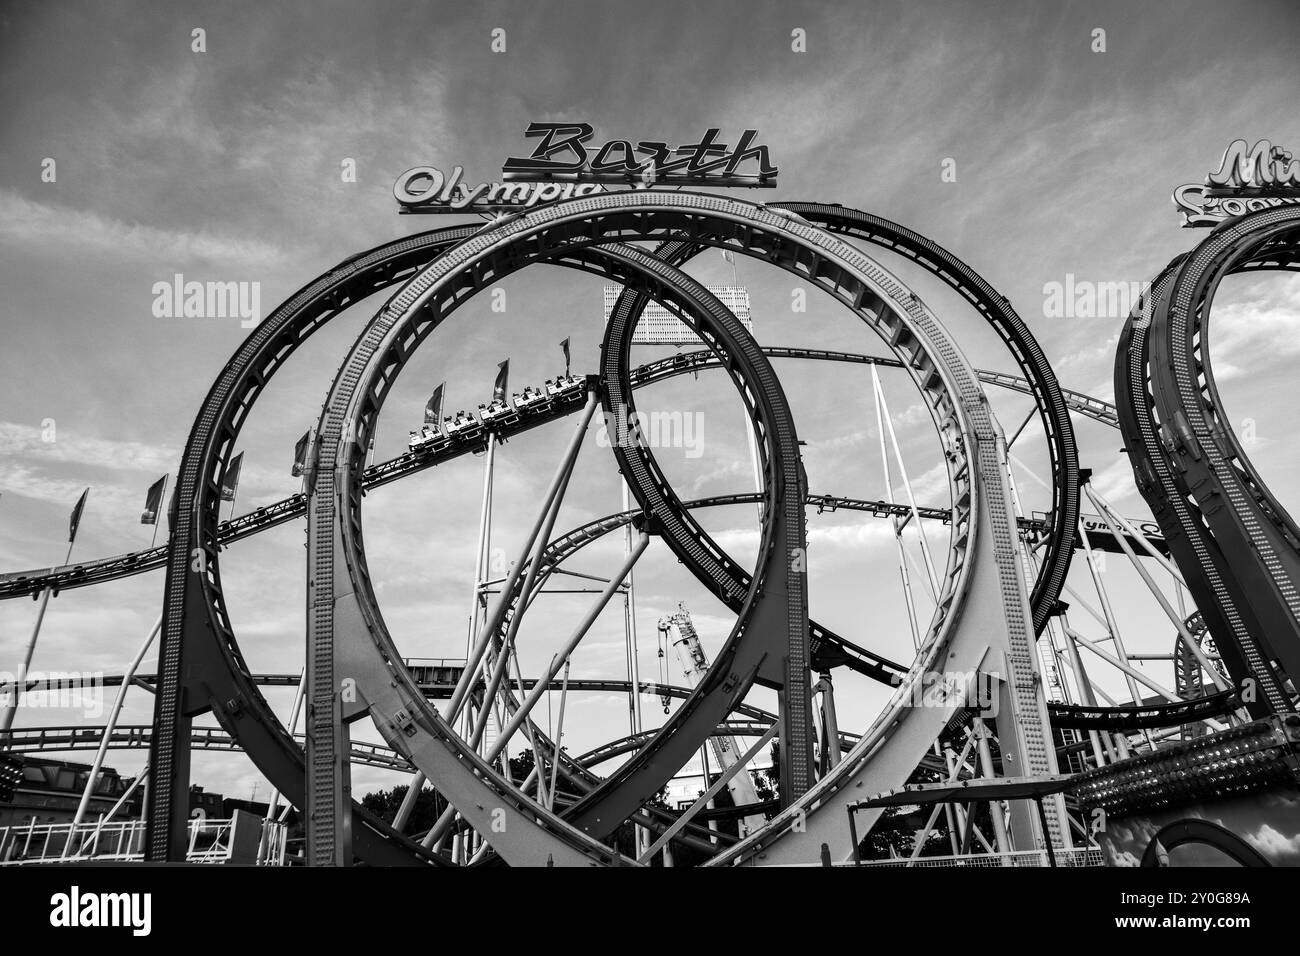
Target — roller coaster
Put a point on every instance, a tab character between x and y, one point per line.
1041	750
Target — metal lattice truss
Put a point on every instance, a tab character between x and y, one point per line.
997	609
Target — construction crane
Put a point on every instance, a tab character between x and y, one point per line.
695	663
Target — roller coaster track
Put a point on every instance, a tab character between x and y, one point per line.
201	668
66	739
824	656
1211	588
1235	545
432	691
400	326
135	736
891	742
200	665
1038	374
527	411
776	626
1237	548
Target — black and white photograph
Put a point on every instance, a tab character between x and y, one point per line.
855	436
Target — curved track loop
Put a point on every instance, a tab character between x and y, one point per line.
770	636
344	610
1040	379
1208	577
201	663
769	641
870	664
828	650
1049	398
971	619
102	570
1224	530
1259	539
200	666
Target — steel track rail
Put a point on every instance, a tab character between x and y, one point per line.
393	338
201	668
1205	571
1053	410
551	408
355	400
1259	539
183	692
1155	422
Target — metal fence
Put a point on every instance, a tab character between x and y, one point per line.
1085	856
211	841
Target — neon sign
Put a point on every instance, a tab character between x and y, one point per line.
1248	179
565	165
564	154
425	189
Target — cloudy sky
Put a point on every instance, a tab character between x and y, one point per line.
225	165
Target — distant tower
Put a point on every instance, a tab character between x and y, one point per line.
725	749
658	326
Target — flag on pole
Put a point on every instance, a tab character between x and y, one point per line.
433	410
499	389
300	454
76	516
153	501
231	482
565	345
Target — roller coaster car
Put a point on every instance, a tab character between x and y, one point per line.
498	412
462	422
563	384
422	438
529	398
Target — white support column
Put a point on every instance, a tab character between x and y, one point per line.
557	661
893	519
109	727
1086	693
1112	626
264	845
494	617
641	836
107	817
996	810
907	484
20	685
481	561
1191	643
666	837
559	736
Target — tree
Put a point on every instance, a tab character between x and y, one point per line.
385	803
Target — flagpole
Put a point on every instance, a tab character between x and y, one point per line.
157	516
20	685
234	492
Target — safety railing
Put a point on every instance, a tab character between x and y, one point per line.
210	841
1083	856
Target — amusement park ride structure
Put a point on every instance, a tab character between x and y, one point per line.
997	701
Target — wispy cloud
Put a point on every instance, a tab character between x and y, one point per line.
32	225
